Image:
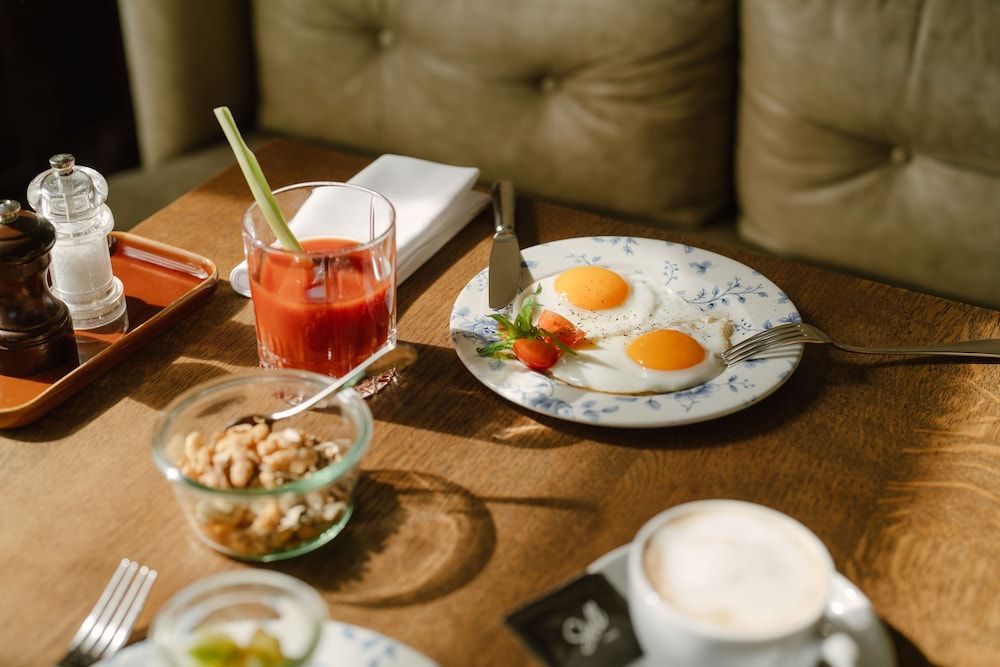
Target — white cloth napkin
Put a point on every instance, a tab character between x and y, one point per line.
433	202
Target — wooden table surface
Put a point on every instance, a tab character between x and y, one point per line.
471	506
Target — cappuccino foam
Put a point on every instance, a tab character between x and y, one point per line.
738	569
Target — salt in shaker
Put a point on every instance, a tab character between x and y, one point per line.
72	197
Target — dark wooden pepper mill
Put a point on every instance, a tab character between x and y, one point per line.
36	332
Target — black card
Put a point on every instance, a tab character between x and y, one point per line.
585	623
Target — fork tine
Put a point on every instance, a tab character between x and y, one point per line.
117	622
766	343
765	335
789	338
756	341
102	621
91	619
750	354
108	632
125	629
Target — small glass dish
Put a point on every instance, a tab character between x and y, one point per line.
227	610
258	523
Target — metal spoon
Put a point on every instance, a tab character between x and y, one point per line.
389	357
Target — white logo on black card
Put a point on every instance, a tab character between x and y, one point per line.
588	632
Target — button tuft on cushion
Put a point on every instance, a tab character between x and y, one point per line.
899	155
549	84
386	38
652	86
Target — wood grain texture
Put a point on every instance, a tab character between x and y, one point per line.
471	506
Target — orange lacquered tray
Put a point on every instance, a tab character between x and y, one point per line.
162	284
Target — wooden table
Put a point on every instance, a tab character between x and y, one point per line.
470	505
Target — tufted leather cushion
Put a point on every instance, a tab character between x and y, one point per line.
185	57
869	136
625	106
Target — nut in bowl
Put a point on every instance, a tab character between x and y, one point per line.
258	492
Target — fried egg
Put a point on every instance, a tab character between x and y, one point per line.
654	362
641	336
607	303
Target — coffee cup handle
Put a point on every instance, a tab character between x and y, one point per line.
840	649
848	623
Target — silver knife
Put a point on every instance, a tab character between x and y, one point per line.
505	257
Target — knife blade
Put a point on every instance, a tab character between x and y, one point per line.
505	256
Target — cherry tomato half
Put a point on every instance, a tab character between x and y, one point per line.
565	330
535	353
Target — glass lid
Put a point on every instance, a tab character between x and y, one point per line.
67	192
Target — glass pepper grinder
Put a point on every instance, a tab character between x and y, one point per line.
36	333
72	197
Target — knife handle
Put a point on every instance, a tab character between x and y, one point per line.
503	207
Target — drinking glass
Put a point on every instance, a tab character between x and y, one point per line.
234	605
331	307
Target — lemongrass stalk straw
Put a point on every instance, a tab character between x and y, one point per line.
255	179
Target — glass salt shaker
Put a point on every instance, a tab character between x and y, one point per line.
72	198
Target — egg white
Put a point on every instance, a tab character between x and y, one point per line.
605	366
637	308
648	306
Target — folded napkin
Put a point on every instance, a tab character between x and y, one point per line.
433	202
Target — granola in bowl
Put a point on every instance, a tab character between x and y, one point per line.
257	492
250	457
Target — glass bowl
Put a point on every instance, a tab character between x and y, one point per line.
231	607
257	523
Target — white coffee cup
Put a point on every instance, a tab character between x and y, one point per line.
733	584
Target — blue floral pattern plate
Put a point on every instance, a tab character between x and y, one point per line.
342	645
715	283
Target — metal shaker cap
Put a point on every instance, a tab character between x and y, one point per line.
24	236
9	208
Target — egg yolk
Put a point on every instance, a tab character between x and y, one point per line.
665	350
592	287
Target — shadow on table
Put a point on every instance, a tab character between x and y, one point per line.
154	375
439	394
414	537
890	362
787	403
907	653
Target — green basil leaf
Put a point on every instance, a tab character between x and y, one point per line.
523	321
504	322
491	349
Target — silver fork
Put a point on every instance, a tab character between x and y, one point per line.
796	332
109	624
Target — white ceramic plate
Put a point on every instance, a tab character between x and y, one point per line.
342	645
713	282
856	612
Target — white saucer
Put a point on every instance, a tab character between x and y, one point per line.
342	645
857	612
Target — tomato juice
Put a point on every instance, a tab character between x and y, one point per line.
322	312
